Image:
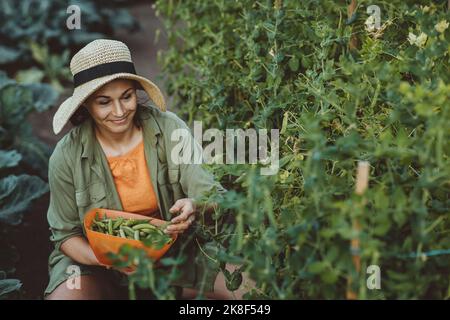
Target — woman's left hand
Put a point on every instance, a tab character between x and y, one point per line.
186	209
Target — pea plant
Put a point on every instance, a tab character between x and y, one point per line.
340	91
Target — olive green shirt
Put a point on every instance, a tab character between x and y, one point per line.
80	179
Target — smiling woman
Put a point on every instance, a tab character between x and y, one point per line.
113	109
118	156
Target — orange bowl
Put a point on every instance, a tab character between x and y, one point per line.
102	243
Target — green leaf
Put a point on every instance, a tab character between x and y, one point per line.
294	63
317	267
156	240
285	122
15	103
233	280
39	52
4	79
7	186
16	193
8	55
329	277
9	159
9	285
44	96
32	75
35	152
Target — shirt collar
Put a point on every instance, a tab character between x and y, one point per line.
87	139
151	129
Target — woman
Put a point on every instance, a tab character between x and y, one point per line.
118	156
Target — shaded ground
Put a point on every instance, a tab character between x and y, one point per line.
32	236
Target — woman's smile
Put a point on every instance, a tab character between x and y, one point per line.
120	121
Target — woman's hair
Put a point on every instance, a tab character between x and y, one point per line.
81	114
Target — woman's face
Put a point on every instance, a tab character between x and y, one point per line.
113	106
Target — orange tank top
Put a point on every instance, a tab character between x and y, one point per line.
133	183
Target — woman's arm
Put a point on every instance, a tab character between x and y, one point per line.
80	251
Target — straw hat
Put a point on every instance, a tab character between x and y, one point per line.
98	63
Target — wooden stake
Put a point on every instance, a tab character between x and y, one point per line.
362	182
350	10
362	177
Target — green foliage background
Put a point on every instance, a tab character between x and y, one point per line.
36	40
286	64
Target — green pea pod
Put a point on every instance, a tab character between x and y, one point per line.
133	222
100	227
143	226
136	235
148	230
128	231
99	224
117	223
110	227
157	232
122	234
